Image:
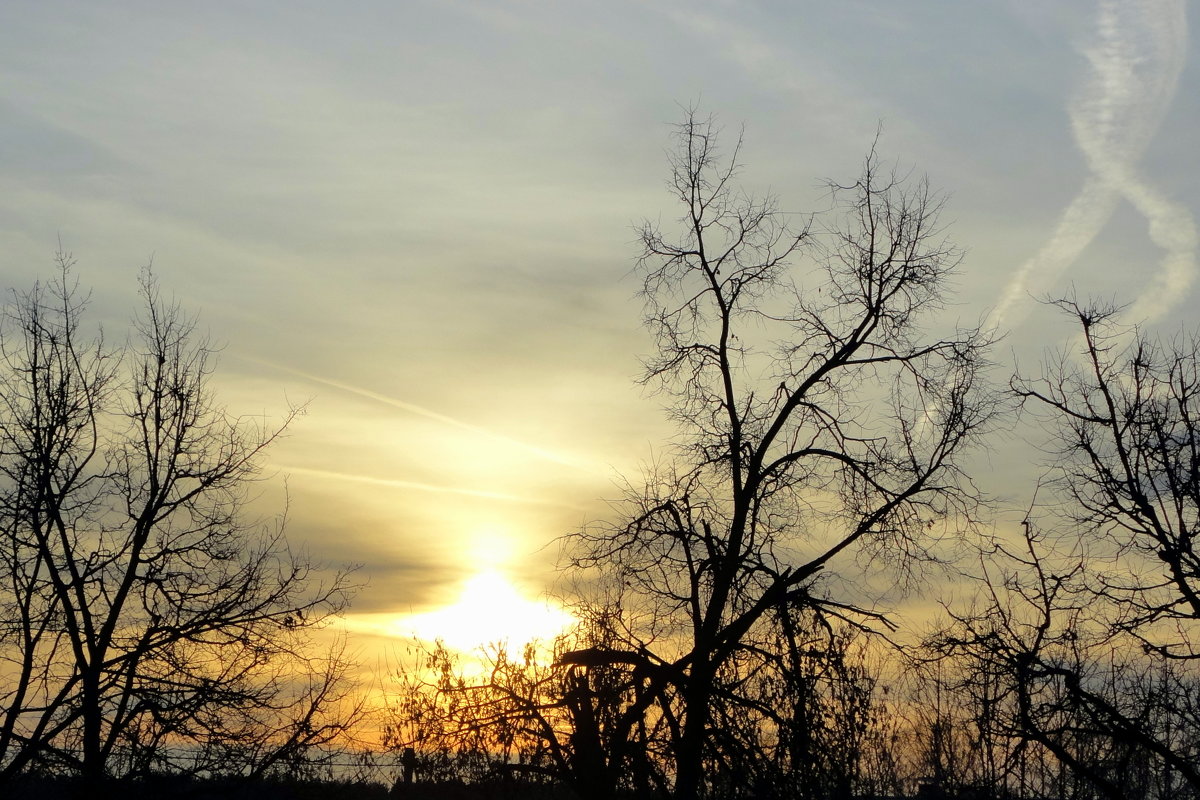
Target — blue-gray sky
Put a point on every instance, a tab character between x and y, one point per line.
418	215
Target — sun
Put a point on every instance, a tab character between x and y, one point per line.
489	609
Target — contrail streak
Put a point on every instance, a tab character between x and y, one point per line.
421	411
1135	64
420	487
1172	229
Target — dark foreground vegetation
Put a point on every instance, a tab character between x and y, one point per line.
183	787
737	634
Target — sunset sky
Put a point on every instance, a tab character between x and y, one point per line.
418	217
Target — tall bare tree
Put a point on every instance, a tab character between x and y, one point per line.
819	425
146	620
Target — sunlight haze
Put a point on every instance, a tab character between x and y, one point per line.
417	220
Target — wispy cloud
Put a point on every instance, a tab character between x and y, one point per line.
421	411
1135	62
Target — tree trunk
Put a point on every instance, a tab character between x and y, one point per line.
689	758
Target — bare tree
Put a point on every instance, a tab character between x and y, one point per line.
818	426
145	615
1127	424
1091	618
1065	707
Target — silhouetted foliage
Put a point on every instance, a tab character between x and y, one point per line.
552	716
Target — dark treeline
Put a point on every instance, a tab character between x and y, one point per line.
737	633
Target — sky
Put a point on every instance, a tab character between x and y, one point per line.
418	218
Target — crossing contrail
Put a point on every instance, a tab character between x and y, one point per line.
1139	52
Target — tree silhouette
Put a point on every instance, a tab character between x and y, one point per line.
1088	622
146	621
818	425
